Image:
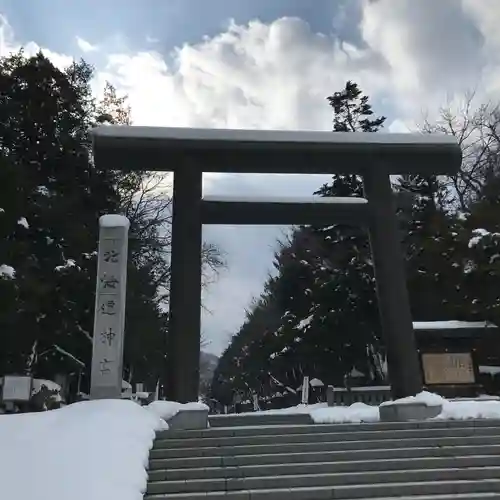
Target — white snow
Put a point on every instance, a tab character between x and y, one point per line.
316	382
43	190
428	398
167	409
465	410
479	234
23	222
489	370
284	199
267	136
356	413
90	255
305	322
288	411
450	325
368	388
55	389
494	258
38	383
67	265
355	373
93	450
113	220
7	271
478	408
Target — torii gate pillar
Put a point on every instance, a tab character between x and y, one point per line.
190	152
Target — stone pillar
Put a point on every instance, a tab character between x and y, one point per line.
183	370
109	321
393	299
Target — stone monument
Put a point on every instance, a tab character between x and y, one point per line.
109	321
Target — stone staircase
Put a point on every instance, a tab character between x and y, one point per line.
264	457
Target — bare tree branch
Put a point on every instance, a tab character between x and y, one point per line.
477	132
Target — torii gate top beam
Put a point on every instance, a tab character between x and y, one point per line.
279	152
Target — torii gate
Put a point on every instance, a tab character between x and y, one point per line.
188	153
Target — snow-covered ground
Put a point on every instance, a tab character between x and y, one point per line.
98	450
458	409
93	450
168	409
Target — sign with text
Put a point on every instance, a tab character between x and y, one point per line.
448	368
109	321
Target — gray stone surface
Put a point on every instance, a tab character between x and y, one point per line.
394	412
109	321
330	395
456	460
259	418
189	420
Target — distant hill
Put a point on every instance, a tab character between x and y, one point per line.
208	363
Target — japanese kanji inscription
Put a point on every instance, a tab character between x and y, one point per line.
109	322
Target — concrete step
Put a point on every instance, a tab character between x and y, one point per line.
259	418
457	490
322	456
492	437
344	483
323	468
366	435
321	428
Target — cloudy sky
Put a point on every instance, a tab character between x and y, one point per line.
269	65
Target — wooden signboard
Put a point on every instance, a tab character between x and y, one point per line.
448	368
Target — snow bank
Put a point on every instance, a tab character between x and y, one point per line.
489	370
485	407
168	409
93	450
465	410
291	410
356	413
428	398
323	414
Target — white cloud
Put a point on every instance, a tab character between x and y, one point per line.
86	46
427	44
414	56
252	76
8	45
